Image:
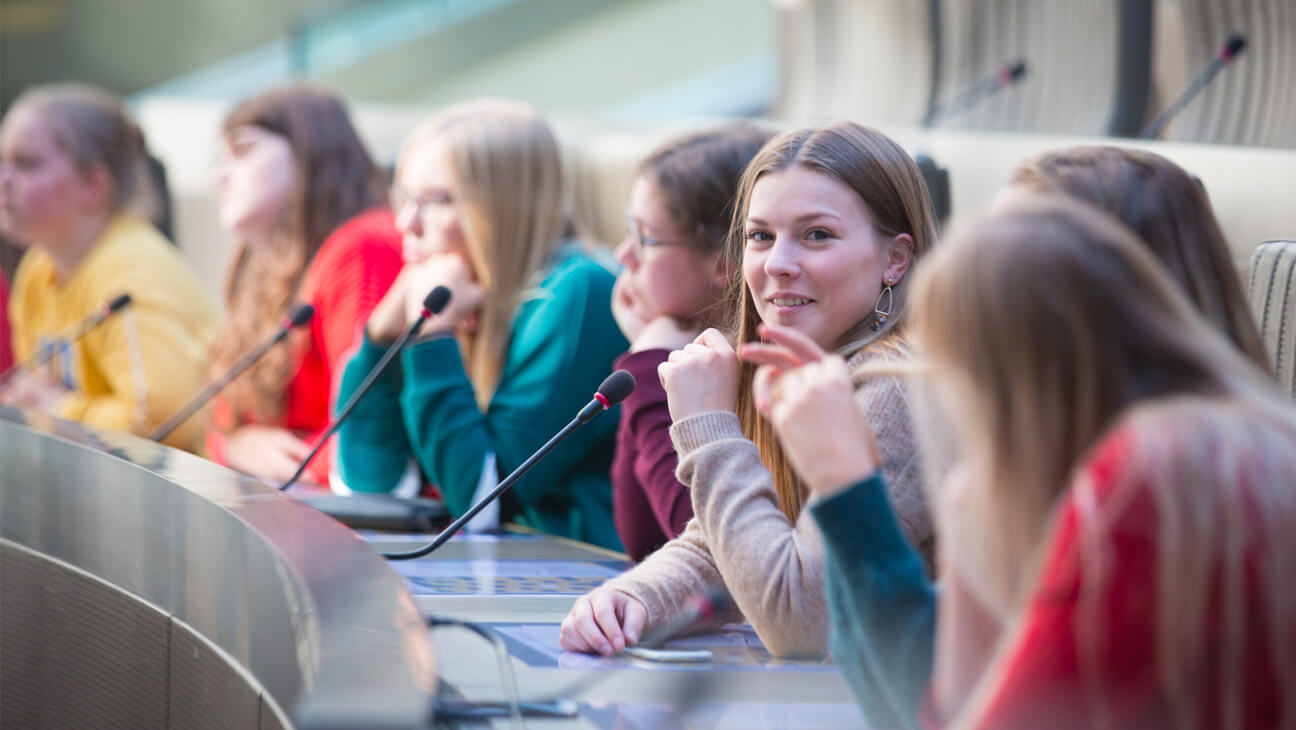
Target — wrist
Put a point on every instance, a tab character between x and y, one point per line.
836	478
379	334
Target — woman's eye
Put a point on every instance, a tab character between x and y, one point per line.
818	234
759	236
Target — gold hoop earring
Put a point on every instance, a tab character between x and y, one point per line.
882	308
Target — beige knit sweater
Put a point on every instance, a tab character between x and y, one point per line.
739	539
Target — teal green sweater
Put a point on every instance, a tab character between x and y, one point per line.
882	605
563	341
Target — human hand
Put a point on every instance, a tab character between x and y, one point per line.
807	395
626	309
702	377
387	320
35	392
451	271
603	621
266	452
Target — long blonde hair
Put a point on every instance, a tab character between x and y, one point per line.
1169	211
508	176
889	183
1059	325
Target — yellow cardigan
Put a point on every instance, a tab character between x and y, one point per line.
142	364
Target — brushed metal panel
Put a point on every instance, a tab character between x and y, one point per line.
75	651
271	718
207	692
322	626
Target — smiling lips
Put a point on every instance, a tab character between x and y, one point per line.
786	301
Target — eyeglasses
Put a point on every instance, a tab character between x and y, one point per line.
640	240
400	197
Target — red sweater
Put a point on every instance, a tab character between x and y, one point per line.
351	272
1041	683
649	505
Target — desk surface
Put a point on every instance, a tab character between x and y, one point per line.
522	585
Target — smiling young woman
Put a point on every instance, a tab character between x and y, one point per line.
828	222
1117	534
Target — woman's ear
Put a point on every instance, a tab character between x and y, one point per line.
96	188
900	254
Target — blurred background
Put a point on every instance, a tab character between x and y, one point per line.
618	76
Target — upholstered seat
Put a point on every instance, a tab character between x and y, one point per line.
1272	293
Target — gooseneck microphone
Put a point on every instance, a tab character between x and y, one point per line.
43	354
614	389
1226	53
297	317
1006	75
699	609
433	303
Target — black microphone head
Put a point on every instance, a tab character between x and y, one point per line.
300	315
1017	70
616	387
436	300
1233	46
118	302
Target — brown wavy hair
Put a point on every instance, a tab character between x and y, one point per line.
335	180
888	181
1169	210
698	178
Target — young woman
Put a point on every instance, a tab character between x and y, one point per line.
681	205
829	221
304	199
527	337
74	187
1169	210
1117	536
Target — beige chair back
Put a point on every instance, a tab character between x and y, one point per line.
1272	292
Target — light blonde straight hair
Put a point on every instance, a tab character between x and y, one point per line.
889	183
508	182
1055	325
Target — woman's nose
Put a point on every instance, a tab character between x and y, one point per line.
408	220
783	259
625	252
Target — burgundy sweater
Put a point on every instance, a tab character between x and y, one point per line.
649	504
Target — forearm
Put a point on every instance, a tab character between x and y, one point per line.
773	569
664	582
448	433
648	422
883	605
372	450
111	412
